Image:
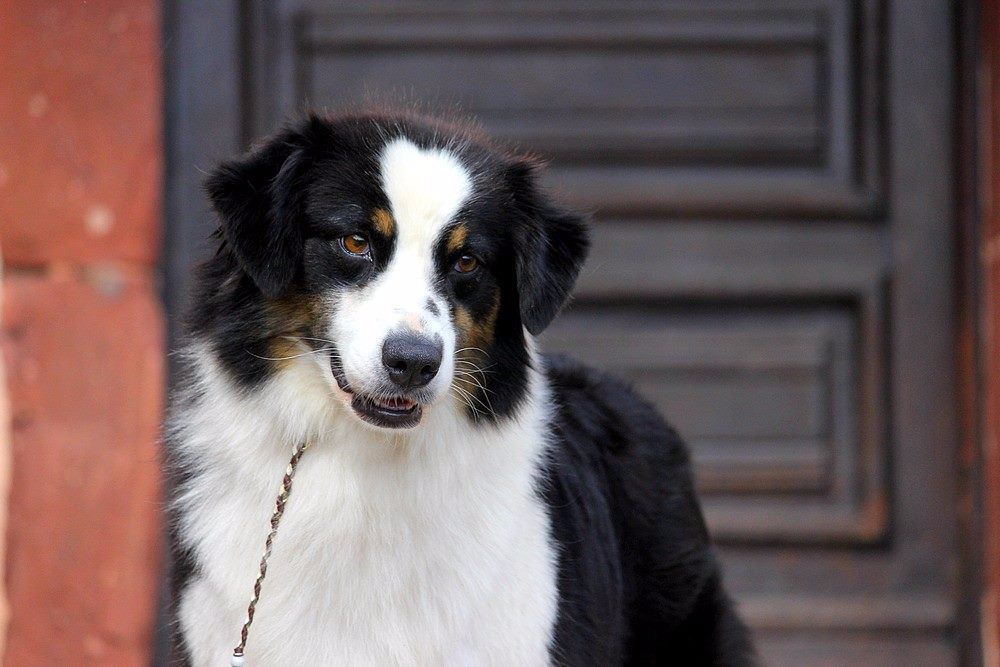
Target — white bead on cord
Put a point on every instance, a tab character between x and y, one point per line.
238	661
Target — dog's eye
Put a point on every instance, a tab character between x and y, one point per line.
466	264
356	244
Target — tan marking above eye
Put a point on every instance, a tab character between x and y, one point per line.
457	238
383	222
356	244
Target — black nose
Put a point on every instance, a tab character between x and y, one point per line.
411	360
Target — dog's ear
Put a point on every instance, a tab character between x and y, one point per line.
259	198
551	245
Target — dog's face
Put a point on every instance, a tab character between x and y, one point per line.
406	258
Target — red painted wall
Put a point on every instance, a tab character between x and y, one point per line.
80	156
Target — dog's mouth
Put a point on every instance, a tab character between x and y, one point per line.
387	412
396	412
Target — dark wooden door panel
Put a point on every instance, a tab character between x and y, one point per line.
470	57
771	183
764	343
679	107
765	396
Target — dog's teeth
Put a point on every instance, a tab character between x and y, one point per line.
395	403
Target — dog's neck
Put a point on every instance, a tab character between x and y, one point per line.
381	529
242	429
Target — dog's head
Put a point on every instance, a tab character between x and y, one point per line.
408	258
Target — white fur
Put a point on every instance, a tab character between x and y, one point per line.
423	546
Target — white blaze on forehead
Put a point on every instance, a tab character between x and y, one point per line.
425	187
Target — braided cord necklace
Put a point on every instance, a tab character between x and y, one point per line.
238	659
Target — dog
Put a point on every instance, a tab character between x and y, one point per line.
378	286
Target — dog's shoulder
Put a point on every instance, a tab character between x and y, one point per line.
615	461
602	418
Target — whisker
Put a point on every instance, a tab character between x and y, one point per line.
475	368
477	349
464	401
486	393
468	398
486	405
300	338
294	356
469	377
467	368
486	396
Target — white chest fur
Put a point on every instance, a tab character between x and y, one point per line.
432	550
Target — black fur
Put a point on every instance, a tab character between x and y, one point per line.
638	581
553	244
259	201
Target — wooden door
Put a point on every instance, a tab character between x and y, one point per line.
773	254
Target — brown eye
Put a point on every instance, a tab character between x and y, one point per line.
356	244
466	264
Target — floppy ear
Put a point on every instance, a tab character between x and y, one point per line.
551	246
259	199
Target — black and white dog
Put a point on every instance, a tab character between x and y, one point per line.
465	500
